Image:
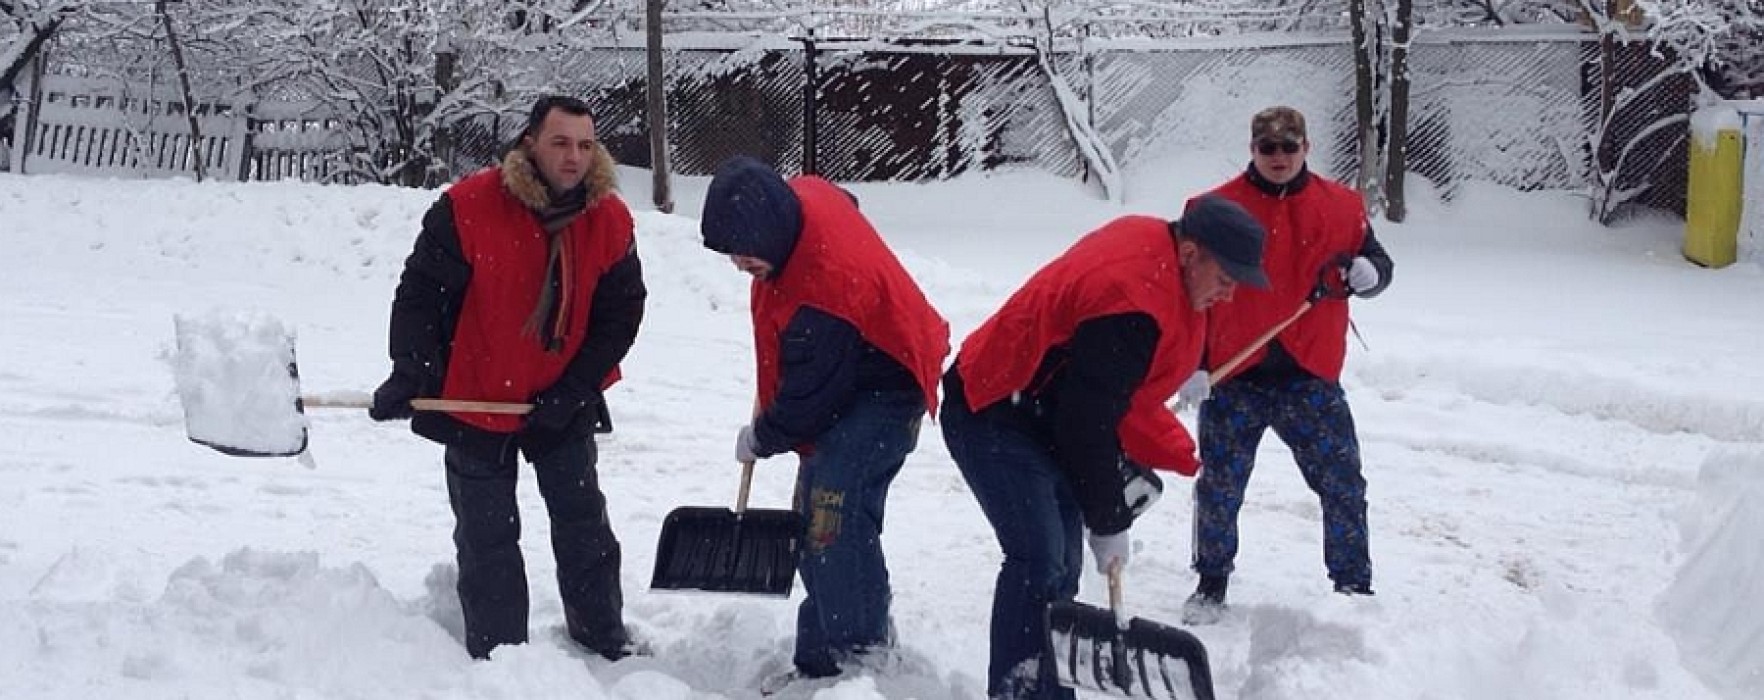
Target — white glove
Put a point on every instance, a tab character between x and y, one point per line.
744	445
1193	392
1361	275
1110	548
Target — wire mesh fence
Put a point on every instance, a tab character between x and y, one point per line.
1517	110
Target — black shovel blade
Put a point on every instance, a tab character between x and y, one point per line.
1091	650
713	549
237	451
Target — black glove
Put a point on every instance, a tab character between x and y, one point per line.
555	408
392	399
1332	279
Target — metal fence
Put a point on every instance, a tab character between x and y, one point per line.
1515	109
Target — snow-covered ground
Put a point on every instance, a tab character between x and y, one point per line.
1563	430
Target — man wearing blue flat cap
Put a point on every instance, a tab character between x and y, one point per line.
1054	411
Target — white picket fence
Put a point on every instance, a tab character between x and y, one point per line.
100	126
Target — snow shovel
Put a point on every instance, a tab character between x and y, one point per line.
240	388
1321	290
729	551
1104	651
1244	354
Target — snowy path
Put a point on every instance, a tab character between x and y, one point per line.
1534	442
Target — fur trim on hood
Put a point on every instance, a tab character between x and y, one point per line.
522	179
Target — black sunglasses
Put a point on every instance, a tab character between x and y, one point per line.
1269	147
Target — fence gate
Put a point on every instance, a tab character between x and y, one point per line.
92	126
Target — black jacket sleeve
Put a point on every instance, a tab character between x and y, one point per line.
818	357
1108	360
613	318
1372	250
425	308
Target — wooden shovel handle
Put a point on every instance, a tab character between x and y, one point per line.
1243	355
746	484
746	467
514	409
1115	594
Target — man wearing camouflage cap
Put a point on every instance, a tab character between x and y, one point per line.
1320	247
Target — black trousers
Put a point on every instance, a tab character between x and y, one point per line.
487	533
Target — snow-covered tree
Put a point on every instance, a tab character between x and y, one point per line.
1684	37
1727	34
405	79
25	26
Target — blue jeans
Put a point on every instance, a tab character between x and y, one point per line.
842	488
1035	516
1311	416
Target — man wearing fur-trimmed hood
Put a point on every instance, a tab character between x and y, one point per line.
524	287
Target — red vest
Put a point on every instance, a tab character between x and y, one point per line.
492	360
1306	231
1129	265
841	266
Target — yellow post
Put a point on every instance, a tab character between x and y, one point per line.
1712	202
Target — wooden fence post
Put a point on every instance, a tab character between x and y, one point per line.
238	140
811	95
661	189
25	125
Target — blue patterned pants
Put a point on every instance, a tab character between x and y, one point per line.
1311	416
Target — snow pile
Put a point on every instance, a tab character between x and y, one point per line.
1712	606
1708	122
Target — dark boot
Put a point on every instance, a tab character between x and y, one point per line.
1207	604
1353	588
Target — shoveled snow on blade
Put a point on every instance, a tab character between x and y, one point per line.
235	377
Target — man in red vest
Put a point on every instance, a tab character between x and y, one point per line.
524	286
1318	237
848	351
1055	409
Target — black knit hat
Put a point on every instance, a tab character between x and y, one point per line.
750	210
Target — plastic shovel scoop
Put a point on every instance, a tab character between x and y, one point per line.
1105	651
729	551
240	388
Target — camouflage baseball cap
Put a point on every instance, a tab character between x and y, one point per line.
1278	123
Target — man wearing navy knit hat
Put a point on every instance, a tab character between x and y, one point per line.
848	351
